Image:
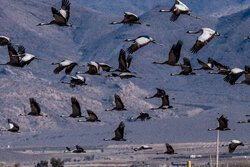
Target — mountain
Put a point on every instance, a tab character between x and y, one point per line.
198	99
201	7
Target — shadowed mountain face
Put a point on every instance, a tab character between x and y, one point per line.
198	99
201	7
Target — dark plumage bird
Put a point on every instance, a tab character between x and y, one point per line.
13	127
158	94
165	103
14	58
105	67
124	63
247	76
234	75
143	116
119	133
61	17
140	42
130	18
67	64
94	69
223	124
91	117
35	109
233	145
4	41
177	9
222	69
25	58
76	80
76	109
173	55
119	106
207	34
77	150
186	68
204	66
169	148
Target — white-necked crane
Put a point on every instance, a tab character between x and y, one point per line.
142	147
124	62
67	64
204	66
140	42
4	41
207	34
105	67
186	68
26	58
234	75
77	150
13	127
130	19
119	106
165	103
76	109
233	145
158	94
35	109
223	124
61	17
173	55
177	9
247	76
92	117
76	80
119	133
169	150
222	69
19	58
94	69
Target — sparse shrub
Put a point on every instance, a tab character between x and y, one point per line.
42	164
56	162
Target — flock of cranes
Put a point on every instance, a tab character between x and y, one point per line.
19	58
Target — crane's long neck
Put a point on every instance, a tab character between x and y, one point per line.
81	121
193	32
107	139
159	62
129	40
164	10
114	22
63	116
22	115
174	74
191	15
43	24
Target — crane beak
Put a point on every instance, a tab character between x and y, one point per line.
158	43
